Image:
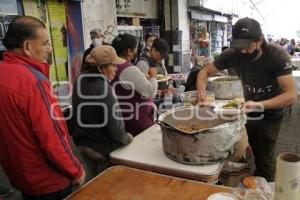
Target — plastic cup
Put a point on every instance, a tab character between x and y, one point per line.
210	97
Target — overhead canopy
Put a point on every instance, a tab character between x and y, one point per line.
197	15
205	14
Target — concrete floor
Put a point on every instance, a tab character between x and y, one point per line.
289	137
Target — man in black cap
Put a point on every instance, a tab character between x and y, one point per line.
266	73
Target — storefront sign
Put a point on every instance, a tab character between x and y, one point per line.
220	18
137	8
197	15
201	16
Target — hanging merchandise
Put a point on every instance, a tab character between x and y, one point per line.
217	35
57	24
52	13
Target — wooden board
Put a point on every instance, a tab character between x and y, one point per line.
122	183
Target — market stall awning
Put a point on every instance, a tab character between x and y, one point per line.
198	15
205	14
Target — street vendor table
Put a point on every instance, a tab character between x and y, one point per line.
122	183
146	152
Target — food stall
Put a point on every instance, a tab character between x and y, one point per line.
197	155
189	144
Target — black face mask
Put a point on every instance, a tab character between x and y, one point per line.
250	56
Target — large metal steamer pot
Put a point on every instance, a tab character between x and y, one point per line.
229	89
213	144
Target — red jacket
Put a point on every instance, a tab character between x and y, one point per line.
35	149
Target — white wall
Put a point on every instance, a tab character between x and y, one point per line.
99	14
183	22
176	18
167	14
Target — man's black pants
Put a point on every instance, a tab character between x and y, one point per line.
263	135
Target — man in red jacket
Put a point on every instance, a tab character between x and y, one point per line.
35	149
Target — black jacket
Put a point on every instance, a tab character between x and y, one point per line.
101	127
85	54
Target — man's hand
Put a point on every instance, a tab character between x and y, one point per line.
251	106
152	72
79	181
202	77
201	96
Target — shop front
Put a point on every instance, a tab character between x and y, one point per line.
209	31
138	17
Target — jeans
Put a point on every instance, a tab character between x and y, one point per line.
263	135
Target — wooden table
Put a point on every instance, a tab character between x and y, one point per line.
122	183
146	152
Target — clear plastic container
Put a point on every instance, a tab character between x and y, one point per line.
168	100
257	188
210	97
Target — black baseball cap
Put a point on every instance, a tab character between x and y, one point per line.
244	32
161	46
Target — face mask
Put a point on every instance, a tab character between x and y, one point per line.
250	56
97	41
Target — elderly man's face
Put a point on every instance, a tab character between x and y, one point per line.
39	48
